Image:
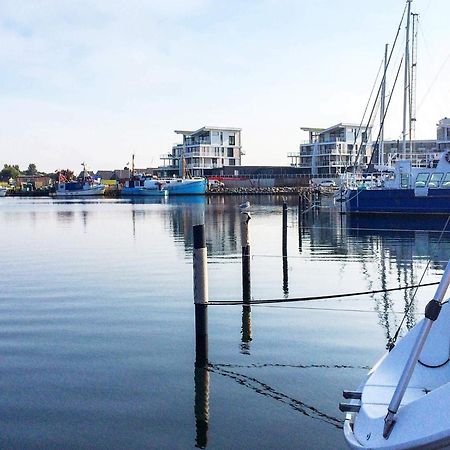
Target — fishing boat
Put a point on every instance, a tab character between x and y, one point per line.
84	186
185	186
406	185
144	186
3	191
404	402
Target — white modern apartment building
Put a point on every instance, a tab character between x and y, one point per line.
206	148
329	151
424	151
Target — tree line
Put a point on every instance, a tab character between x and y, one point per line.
13	171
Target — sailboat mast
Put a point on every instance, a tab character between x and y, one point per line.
383	111
413	83
132	164
406	81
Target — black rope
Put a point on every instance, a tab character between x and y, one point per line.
321	297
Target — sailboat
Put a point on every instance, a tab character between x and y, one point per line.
404	402
402	187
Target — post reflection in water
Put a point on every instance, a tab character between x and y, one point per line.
246	330
201	408
285	276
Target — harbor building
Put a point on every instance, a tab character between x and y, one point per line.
203	149
329	151
424	151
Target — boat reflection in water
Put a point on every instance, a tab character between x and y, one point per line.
404	240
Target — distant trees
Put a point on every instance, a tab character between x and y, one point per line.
9	171
31	169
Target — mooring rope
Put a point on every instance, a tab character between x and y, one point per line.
320	297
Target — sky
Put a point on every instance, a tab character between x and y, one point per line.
95	81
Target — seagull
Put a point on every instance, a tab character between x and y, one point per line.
244	206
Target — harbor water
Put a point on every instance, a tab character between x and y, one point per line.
97	341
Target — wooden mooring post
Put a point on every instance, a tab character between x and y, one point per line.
245	243
300	220
284	251
200	257
284	229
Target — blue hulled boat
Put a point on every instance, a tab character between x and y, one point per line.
185	186
405	190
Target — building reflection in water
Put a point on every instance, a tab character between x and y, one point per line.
390	251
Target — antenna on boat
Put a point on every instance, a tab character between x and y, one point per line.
406	96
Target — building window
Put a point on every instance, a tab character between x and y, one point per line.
230	152
231	162
231	140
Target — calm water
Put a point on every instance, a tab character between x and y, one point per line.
97	325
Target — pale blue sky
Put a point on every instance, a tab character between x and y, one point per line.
96	80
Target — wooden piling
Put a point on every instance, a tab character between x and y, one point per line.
284	250
245	243
200	257
284	229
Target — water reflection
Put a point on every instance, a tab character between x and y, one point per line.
285	277
65	216
201	407
246	330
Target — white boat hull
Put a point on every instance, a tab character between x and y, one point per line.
87	192
423	419
3	192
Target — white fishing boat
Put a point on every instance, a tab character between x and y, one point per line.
84	186
144	186
185	186
405	401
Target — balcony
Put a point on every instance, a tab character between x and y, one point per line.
200	141
203	166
